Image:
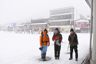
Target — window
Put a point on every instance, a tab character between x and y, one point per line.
59	23
61	17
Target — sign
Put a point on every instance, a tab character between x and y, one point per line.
81	25
14	24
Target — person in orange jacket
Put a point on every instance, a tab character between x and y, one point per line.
44	43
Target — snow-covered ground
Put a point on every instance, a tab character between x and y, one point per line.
24	49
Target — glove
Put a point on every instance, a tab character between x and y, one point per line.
48	44
72	41
41	48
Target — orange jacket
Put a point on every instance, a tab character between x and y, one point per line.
45	38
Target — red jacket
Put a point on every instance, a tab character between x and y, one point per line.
57	37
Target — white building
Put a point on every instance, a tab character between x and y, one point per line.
63	18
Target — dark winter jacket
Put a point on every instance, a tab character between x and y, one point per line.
73	40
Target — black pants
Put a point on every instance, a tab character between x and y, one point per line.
71	51
57	50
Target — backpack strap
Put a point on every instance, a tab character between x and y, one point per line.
47	35
42	37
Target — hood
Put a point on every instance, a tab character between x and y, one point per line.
45	33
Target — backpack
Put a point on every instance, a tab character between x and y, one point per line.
43	37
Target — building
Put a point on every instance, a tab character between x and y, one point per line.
82	26
19	28
82	17
38	25
63	19
89	17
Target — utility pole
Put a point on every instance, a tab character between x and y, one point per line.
93	61
90	49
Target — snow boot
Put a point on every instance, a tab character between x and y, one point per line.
42	56
70	58
55	57
76	59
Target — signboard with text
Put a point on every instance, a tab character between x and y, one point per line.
81	25
14	24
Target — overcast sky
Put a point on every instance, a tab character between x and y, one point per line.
25	10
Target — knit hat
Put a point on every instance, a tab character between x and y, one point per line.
57	29
71	29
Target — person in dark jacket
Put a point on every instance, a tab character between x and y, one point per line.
73	41
57	38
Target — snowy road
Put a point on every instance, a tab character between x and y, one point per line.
23	49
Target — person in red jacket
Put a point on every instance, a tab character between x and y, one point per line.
57	38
